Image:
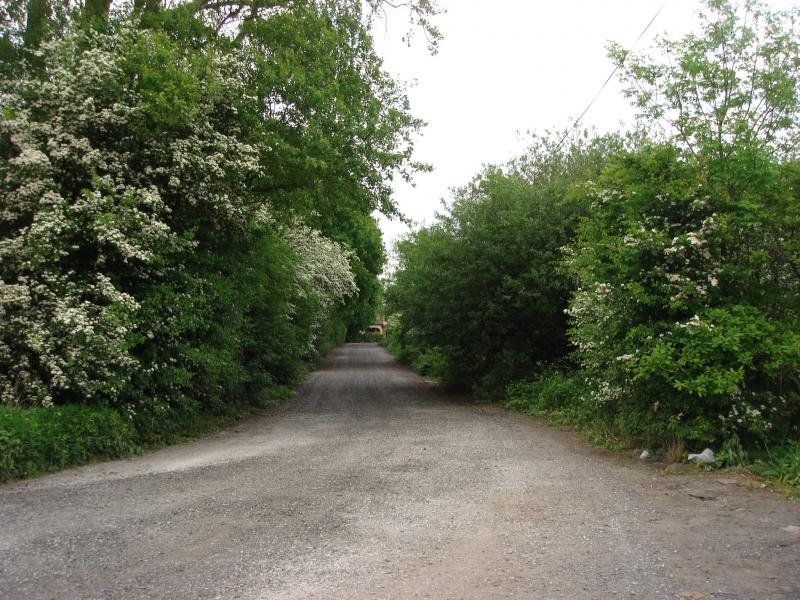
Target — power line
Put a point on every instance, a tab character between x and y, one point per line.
611	76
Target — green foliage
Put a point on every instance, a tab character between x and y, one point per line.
686	312
782	463
553	391
686	305
733	85
732	454
45	439
566	399
676	257
432	362
187	217
482	286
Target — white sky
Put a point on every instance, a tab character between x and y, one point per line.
510	66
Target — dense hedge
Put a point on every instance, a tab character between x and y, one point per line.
644	287
188	204
481	292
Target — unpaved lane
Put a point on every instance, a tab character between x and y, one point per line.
369	484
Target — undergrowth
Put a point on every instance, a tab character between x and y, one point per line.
34	441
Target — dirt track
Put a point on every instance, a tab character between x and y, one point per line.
371	484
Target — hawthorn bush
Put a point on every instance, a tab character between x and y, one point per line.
647	288
686	312
687	309
187	202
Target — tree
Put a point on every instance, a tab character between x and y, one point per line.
37	20
735	84
480	291
686	313
96	9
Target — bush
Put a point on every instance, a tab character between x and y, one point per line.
781	463
481	287
686	311
273	396
567	398
552	391
36	440
432	363
563	398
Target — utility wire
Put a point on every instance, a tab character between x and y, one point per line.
610	77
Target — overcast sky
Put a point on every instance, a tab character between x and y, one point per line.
510	66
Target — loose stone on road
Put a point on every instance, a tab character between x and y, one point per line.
371	483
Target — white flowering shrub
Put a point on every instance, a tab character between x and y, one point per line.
66	330
323	266
686	313
72	212
323	276
93	205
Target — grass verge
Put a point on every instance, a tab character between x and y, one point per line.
34	441
37	440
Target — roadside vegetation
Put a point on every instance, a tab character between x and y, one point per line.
186	221
643	287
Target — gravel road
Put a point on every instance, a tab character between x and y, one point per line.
371	483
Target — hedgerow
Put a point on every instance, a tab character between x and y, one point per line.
187	205
645	287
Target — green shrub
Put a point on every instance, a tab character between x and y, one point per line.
431	362
273	396
732	454
567	399
36	440
482	283
551	391
368	336
167	245
788	465
781	463
563	398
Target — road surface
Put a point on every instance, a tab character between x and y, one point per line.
371	483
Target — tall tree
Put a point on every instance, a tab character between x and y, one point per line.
737	83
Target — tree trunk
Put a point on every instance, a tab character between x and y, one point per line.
37	20
96	9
